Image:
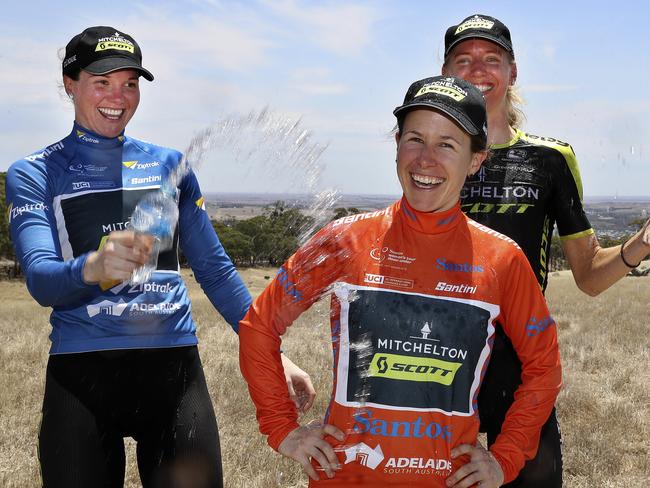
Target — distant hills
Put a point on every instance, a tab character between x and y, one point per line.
610	215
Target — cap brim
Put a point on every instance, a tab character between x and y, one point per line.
114	63
475	35
457	116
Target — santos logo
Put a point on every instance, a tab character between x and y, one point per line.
408	368
365	455
442	263
417	429
106	307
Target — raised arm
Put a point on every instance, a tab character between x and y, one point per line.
597	268
594	268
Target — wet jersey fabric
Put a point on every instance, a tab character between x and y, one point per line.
64	201
525	187
414	299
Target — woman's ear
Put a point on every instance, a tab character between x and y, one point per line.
477	161
513	73
68	86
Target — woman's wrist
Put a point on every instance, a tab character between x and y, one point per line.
634	250
88	272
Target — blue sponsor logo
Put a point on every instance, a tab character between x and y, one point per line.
442	263
418	429
288	285
535	327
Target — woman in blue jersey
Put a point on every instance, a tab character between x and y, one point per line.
124	360
528	185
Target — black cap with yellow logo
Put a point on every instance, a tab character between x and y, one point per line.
100	50
457	98
482	27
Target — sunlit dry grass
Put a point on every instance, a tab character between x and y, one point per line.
604	407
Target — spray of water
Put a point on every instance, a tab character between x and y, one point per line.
260	138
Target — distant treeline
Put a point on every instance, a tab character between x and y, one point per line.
268	239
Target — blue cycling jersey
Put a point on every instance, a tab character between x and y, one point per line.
65	199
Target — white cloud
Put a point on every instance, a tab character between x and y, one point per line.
344	29
198	43
316	81
30	74
322	88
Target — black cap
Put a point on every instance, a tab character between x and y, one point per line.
457	98
100	50
479	26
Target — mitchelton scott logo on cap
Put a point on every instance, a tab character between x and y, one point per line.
445	87
475	22
116	41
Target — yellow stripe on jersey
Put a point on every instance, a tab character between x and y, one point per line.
563	148
577	235
200	203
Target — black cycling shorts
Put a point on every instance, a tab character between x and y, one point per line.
157	396
502	377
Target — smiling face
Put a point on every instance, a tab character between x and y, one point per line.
104	104
487	66
433	158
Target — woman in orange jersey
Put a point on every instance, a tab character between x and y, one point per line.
416	290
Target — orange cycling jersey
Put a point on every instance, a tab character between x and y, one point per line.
415	297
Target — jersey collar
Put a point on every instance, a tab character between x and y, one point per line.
511	142
429	222
85	137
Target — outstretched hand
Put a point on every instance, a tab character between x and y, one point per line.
307	442
482	470
301	389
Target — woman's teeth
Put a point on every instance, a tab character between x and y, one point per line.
424	181
111	113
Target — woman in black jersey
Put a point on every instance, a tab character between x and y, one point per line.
528	185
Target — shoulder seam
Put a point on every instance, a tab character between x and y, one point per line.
147	146
565	149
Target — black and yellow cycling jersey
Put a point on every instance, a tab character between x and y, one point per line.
523	189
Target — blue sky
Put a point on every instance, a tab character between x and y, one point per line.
342	66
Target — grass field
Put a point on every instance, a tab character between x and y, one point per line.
604	407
